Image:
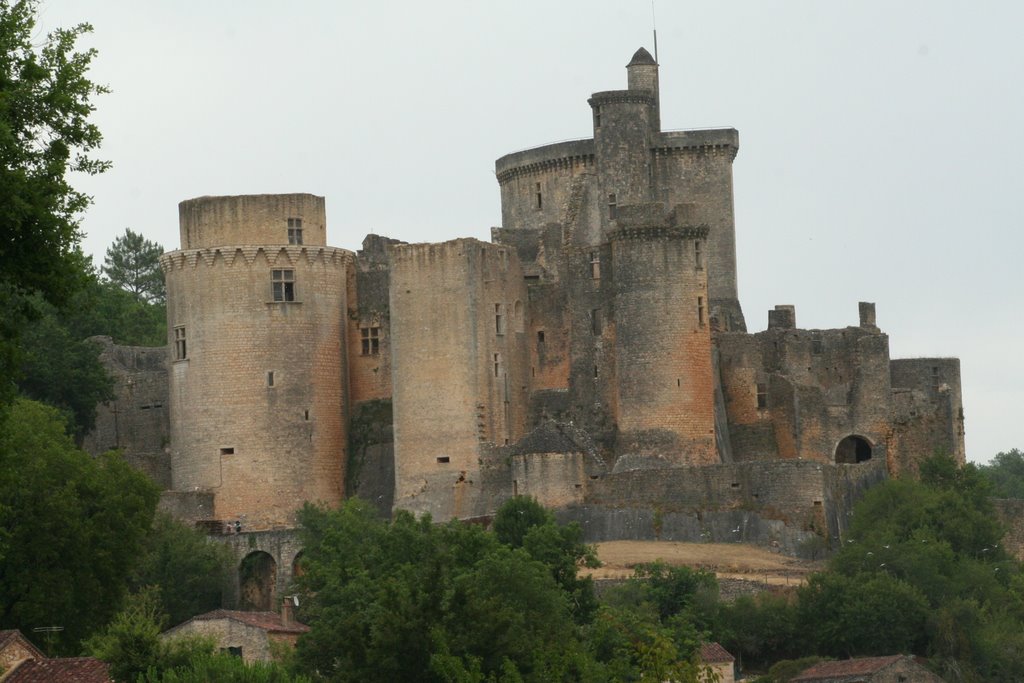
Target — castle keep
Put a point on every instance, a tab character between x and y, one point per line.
593	354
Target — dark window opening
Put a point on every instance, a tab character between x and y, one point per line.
595	371
270	378
232	651
817	346
540	336
852	450
735	485
305	415
612	206
540	198
443	459
515	487
700	311
497	364
180	346
369	338
762	395
283	285
294	231
227	451
595	321
597	117
698	255
499	320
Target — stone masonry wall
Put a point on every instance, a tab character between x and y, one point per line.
251	220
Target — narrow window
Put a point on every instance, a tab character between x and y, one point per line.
817	346
443	459
540	336
700	311
270	378
595	265
283	285
227	451
540	198
499	320
369	337
294	231
497	364
180	347
306	415
698	255
762	395
597	117
595	321
595	371
612	205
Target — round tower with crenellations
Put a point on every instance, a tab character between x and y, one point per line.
255	315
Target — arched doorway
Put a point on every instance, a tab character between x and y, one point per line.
257	580
297	569
853	449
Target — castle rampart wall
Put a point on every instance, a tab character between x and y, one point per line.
927	412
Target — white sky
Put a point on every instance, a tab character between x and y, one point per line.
880	140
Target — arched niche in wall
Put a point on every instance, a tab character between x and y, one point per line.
852	450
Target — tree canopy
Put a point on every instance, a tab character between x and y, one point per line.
133	264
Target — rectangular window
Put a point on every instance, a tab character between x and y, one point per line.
270	378
540	198
700	311
180	345
497	364
283	285
597	117
762	395
294	231
698	255
612	206
540	336
499	320
369	338
595	265
817	346
595	321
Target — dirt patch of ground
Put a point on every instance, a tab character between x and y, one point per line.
726	560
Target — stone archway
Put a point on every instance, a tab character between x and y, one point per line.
852	450
297	569
257	582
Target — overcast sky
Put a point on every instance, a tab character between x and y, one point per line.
880	140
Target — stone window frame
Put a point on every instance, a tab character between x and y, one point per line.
369	339
761	389
540	198
595	265
282	285
701	312
499	320
698	255
613	206
295	231
180	343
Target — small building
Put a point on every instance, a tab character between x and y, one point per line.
891	669
65	670
719	659
246	634
16	648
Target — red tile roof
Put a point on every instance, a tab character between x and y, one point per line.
713	653
268	621
861	666
67	670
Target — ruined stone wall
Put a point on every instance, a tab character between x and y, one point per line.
251	220
460	368
927	412
258	403
137	420
665	387
253	641
368	325
696	167
1010	512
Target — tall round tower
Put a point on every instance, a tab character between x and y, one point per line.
665	384
255	316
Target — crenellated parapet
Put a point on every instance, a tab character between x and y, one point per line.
248	255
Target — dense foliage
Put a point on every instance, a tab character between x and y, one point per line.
1006	474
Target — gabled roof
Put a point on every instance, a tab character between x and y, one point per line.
7	637
860	666
268	621
553	437
713	653
65	670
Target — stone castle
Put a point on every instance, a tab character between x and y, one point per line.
594	355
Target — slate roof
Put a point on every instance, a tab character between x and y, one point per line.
641	56
65	670
713	653
858	667
552	437
268	621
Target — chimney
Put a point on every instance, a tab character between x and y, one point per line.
288	611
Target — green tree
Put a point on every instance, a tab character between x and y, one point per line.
1005	473
189	569
132	263
72	527
45	133
131	642
223	668
516	517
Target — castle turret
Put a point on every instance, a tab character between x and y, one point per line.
255	319
642	74
665	383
